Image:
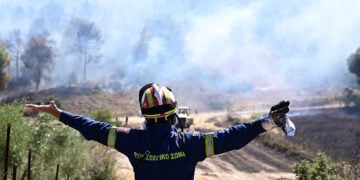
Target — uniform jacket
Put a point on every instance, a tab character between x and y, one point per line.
160	152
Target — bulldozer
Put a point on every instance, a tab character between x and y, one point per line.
184	117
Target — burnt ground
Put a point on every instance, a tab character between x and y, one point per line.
333	131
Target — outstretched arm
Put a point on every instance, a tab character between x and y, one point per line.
50	109
208	144
89	128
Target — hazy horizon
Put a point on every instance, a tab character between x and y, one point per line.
232	44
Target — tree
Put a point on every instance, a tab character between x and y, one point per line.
4	62
15	45
84	39
39	28
350	98
38	58
354	64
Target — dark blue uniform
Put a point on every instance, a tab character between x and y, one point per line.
160	152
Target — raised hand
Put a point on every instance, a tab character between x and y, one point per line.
278	113
50	108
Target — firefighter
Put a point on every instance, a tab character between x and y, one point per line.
160	152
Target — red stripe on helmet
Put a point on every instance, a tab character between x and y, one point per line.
156	102
163	95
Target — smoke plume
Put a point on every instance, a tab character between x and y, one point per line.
229	45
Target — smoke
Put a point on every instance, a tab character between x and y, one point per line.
231	45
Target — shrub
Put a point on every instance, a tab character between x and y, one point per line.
102	164
51	144
102	115
12	114
117	122
256	115
350	98
321	167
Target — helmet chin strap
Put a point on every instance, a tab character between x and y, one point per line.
178	121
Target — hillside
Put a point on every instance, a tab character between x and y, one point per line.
82	100
332	130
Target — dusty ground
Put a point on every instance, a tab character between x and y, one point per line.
251	162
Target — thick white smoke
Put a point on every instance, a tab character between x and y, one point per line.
253	44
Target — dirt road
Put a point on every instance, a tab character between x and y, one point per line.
251	162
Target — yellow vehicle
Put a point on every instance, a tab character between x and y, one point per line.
184	117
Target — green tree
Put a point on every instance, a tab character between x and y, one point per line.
84	39
354	64
38	59
52	146
4	62
19	136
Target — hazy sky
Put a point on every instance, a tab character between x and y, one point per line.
258	43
